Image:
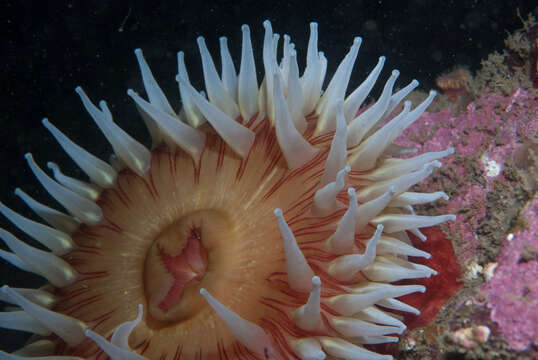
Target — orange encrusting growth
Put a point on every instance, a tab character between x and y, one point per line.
231	202
443	286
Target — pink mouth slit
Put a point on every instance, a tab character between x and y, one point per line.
189	265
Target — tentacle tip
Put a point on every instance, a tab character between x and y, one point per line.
351	191
379	228
451	217
138	51
245	27
316	281
131	92
266	23
415	82
395	72
79	90
277	212
28	156
45	122
203	292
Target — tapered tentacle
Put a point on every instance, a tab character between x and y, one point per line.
247	333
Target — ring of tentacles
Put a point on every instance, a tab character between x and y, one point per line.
267	221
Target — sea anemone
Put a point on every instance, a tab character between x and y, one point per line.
455	83
266	222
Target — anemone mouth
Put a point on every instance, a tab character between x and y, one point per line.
181	261
187	226
286	210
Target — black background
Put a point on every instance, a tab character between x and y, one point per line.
49	47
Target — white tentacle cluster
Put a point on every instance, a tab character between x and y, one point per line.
362	142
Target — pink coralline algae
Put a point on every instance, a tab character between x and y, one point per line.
487	138
512	293
484	137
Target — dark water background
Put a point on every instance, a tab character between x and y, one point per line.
50	47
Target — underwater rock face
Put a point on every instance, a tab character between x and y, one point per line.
492	184
512	292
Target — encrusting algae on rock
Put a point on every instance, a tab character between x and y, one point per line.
491	181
